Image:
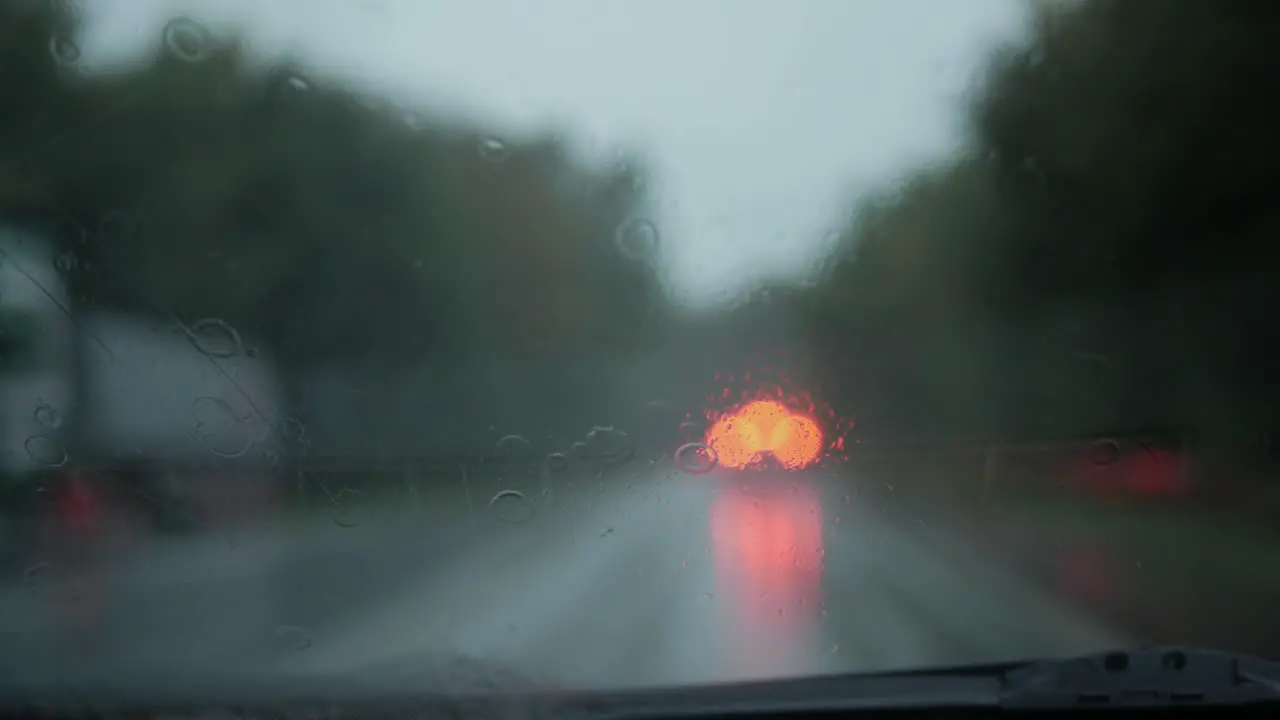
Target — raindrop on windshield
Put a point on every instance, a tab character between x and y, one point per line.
292	637
38	579
292	430
293	437
608	444
289	86
219	429
511	507
493	149
637	239
413	119
350	508
512	444
65	262
46	450
691	431
47	416
696	458
556	462
187	40
64	51
1104	452
216	338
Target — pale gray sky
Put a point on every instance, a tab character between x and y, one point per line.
761	119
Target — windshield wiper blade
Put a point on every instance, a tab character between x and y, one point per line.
1159	676
1149	677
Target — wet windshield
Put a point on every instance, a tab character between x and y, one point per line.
618	344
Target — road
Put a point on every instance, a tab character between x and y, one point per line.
648	577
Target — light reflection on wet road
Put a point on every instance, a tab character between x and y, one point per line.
636	581
767	556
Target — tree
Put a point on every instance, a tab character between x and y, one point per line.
327	227
1094	258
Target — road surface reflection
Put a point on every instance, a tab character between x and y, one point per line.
766	537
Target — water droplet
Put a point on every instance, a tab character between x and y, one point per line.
350	508
513	445
511	507
1104	452
188	40
38	579
690	431
293	437
556	462
219	429
637	239
216	338
297	83
493	150
64	51
292	637
696	458
608	444
47	416
47	451
65	262
413	119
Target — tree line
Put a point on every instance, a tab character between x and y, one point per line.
327	226
1095	258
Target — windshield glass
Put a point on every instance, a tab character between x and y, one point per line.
601	344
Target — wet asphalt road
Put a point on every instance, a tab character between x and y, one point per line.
648	578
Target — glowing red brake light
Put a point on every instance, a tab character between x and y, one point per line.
761	427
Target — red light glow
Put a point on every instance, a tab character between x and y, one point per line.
742	436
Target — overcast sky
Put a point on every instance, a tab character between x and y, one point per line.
760	119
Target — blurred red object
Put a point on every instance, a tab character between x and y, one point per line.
79	524
79	504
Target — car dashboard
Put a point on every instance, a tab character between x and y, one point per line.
1167	681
